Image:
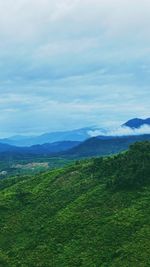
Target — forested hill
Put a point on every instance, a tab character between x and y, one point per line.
95	213
105	145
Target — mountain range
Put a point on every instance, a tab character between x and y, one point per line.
74	144
95	146
48	148
72	135
100	146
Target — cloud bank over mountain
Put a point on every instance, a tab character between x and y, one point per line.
121	131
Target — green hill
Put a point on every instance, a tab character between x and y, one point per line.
95	213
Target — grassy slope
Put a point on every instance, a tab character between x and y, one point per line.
81	215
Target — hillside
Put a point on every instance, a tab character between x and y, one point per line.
102	146
94	213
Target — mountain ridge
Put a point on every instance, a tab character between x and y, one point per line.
79	135
94	146
72	135
49	148
100	146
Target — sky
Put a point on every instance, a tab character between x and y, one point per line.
68	64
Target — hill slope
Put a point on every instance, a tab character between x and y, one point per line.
101	146
91	214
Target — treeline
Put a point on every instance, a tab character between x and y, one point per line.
127	170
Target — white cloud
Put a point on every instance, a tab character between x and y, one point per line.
121	131
73	60
28	19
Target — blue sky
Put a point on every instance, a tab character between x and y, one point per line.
72	63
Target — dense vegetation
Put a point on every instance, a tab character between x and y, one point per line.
94	213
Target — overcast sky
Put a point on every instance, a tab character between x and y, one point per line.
68	64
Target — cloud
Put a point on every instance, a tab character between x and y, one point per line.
121	131
72	63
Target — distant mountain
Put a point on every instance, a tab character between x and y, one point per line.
74	135
137	123
101	146
52	148
78	135
7	148
95	146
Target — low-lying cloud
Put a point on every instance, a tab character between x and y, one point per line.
121	131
